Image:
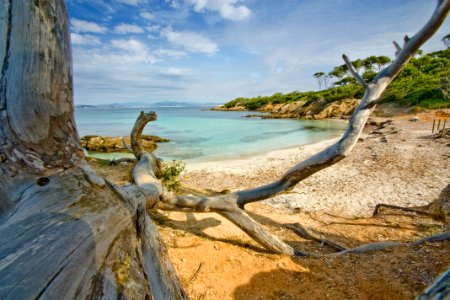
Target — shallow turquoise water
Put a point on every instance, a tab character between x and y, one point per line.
201	134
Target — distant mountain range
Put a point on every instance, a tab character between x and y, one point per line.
154	104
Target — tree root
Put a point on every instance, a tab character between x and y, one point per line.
308	234
364	248
376	211
164	281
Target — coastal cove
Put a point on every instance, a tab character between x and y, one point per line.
199	134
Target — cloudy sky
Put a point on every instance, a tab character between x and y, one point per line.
217	50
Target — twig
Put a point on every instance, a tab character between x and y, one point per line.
196	272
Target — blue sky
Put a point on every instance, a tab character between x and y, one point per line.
217	50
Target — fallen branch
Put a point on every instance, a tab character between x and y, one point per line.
378	246
231	206
144	177
376	211
306	233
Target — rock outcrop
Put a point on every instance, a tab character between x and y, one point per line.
107	144
316	110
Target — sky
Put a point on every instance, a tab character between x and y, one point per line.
217	50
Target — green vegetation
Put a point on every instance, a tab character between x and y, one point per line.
170	173
423	84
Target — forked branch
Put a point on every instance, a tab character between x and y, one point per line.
354	73
144	176
232	205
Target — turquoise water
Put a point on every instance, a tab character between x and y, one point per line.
201	134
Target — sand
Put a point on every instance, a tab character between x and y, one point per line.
398	163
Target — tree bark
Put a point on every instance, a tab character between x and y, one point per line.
37	127
64	231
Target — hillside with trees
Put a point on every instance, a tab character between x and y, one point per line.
423	84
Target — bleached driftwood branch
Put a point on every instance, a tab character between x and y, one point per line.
354	73
232	205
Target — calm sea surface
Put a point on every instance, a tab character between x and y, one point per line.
201	134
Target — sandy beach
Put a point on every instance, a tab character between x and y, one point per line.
397	162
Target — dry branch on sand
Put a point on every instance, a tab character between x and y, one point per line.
65	232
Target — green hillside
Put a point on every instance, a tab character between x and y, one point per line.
423	83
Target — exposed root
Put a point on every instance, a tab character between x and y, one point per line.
308	234
407	209
378	246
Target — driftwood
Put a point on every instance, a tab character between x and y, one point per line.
308	234
231	206
439	289
66	232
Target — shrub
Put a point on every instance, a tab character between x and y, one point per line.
170	172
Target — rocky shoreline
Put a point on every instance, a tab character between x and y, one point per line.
316	110
107	144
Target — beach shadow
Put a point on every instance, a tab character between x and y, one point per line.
277	284
197	227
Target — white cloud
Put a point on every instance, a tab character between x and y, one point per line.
153	28
170	53
130	2
228	9
190	41
175	71
133	50
146	15
235	13
85	26
87	39
127	28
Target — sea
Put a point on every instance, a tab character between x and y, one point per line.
201	134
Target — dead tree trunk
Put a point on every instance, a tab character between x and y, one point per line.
67	233
64	232
231	206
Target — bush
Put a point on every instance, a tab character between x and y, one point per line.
170	172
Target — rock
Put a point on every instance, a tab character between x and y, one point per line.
108	144
315	110
337	109
234	108
414	119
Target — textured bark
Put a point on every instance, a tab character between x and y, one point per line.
164	283
64	232
439	289
37	128
57	241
